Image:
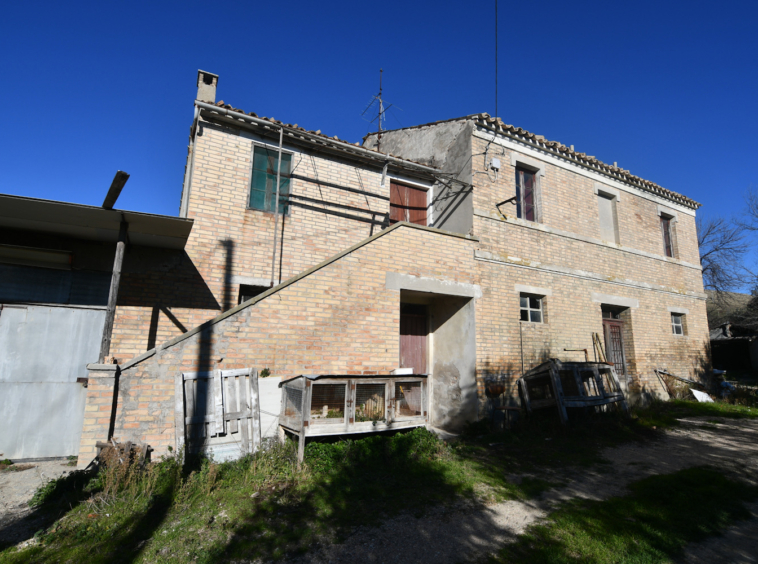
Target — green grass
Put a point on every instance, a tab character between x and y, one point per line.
258	507
264	507
666	414
651	524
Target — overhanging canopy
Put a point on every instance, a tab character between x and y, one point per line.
91	222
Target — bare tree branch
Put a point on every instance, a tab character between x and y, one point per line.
722	250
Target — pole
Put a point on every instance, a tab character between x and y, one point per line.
495	58
276	206
110	314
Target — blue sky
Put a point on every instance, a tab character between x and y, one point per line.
667	89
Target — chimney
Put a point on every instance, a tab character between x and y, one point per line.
206	86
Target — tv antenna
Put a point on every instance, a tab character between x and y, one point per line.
377	101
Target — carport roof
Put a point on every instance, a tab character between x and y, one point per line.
92	222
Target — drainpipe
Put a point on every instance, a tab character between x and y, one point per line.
184	208
276	205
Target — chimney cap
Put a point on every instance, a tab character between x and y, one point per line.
206	86
201	75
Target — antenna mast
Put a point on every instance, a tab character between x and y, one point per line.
382	109
381	104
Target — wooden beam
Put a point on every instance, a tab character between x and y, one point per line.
110	314
115	190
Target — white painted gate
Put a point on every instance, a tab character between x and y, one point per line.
218	413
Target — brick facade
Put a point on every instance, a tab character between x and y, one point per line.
342	317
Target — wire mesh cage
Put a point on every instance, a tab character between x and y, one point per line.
328	403
408	399
370	404
592	386
323	405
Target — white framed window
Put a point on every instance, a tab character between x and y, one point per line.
677	323
531	307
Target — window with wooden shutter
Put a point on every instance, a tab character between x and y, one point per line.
526	194
407	204
668	247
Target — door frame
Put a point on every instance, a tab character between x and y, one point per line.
620	324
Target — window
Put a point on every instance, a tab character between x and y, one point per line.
407	204
526	192
606	204
249	292
677	323
531	308
263	183
611	314
668	246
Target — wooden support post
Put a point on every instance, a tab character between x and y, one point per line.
105	345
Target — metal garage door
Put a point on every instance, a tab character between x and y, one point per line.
43	350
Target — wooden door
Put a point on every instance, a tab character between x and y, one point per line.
613	330
413	339
407	204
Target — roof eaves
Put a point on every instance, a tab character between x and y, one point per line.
300	133
618	173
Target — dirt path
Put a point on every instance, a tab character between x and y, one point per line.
468	533
17	489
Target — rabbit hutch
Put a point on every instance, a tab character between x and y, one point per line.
317	406
565	385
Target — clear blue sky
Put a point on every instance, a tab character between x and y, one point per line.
667	89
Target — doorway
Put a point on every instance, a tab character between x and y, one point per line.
414	334
613	332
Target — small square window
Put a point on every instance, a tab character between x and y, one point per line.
263	181
531	308
677	323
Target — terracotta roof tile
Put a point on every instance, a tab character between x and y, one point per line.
587	160
590	161
295	127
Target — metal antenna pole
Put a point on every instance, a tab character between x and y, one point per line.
381	105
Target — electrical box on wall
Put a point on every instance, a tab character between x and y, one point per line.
495	164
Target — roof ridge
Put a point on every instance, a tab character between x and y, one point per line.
469	116
614	170
222	105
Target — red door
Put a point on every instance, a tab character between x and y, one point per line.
413	338
614	344
407	204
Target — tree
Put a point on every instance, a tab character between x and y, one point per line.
722	250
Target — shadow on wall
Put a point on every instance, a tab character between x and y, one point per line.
499	379
649	387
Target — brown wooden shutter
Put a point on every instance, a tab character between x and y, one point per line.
407	204
398	202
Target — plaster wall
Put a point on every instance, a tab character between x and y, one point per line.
455	400
446	146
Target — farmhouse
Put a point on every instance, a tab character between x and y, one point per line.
465	250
